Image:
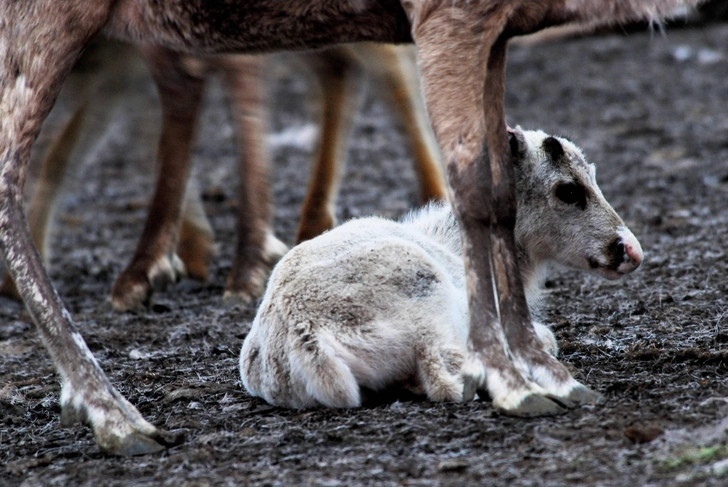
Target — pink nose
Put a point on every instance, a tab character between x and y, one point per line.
632	249
634	254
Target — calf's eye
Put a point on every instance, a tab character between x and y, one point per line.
571	194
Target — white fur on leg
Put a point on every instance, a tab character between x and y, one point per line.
547	338
274	249
510	396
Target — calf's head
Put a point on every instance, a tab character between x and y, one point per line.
562	214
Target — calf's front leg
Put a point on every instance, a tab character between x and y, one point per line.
462	63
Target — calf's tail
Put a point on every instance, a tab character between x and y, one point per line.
298	368
327	377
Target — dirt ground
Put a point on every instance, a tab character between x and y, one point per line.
648	109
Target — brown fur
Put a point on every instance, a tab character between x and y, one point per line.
461	48
339	73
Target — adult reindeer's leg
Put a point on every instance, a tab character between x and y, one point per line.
400	75
155	263
257	248
195	245
526	352
340	78
103	65
49	183
35	56
454	48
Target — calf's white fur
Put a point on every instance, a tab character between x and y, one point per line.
376	303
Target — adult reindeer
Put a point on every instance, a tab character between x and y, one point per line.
462	55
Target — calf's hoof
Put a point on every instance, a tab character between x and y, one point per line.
470	388
133	289
474	378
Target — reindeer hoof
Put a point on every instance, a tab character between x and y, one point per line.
246	282
128	294
250	290
138	442
583	395
133	289
118	426
141	444
246	289
470	388
241	297
534	405
166	271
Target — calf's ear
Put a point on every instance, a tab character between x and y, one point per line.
517	141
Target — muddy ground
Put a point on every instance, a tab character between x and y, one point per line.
650	110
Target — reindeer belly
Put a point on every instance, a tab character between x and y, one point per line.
252	26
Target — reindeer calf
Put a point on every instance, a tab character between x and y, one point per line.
376	303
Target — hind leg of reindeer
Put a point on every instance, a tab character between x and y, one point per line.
398	71
462	60
30	77
196	238
257	248
155	263
340	78
47	188
103	67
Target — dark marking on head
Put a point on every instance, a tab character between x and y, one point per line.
517	142
553	148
